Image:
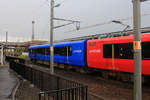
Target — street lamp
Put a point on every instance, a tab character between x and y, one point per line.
143	0
117	21
57	5
121	23
52	31
51	36
6	43
2	58
33	22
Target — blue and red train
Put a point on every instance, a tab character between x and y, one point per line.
114	54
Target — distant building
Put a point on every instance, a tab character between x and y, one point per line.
17	48
35	42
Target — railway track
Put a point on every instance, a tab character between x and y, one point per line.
100	88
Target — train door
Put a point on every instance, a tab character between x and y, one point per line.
113	56
44	54
59	53
62	54
68	54
121	55
47	54
109	55
34	53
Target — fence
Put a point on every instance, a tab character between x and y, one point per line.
53	87
20	60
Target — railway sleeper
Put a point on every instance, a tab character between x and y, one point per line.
71	68
123	76
112	75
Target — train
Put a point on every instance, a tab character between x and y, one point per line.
108	54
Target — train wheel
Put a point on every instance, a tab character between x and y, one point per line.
105	74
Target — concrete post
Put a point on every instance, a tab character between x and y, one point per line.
51	36
33	22
6	49
137	50
2	55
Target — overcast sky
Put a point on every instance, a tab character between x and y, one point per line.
16	17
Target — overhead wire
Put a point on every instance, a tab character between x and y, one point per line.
104	23
46	2
46	26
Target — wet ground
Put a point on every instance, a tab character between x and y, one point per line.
8	81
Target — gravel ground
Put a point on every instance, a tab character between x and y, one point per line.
105	89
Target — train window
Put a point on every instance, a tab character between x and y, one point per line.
121	51
47	51
146	50
41	51
56	51
34	51
59	51
107	51
63	51
69	50
31	51
38	51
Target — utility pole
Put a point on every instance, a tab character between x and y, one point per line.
33	22
2	61
6	38
6	43
137	50
51	36
52	31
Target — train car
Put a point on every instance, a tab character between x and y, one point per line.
73	53
38	52
117	54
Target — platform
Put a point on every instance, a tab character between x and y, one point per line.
7	82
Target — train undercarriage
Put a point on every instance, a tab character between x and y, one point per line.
106	74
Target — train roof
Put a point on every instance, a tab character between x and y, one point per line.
126	38
38	46
57	44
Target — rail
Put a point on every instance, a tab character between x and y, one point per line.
52	87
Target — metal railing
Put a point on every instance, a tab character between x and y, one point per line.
75	93
20	60
52	87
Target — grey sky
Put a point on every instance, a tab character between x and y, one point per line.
16	17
